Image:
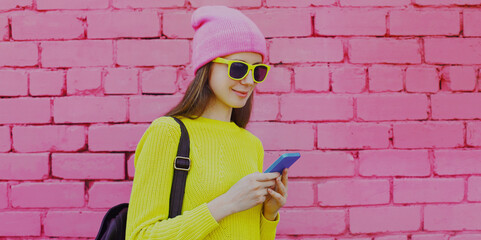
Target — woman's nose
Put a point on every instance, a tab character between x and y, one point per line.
248	79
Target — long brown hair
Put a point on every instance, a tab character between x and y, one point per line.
198	95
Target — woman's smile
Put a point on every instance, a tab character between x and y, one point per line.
241	93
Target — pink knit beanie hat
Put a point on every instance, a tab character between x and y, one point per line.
220	31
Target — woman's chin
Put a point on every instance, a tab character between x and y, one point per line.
237	103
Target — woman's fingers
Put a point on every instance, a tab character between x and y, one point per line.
276	195
268	184
284	177
267	176
281	187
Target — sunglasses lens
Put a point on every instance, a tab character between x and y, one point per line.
238	70
260	73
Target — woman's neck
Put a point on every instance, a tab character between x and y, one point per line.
218	111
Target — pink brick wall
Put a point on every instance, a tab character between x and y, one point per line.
381	97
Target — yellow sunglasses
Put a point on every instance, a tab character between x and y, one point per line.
238	70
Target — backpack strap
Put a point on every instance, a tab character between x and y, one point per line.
181	169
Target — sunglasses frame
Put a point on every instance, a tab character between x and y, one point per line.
249	68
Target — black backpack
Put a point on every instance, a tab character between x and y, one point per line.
114	223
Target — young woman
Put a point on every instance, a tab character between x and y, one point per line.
227	195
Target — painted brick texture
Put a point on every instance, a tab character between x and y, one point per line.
382	98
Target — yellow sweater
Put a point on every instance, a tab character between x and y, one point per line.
221	154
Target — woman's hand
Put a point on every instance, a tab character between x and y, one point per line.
249	191
277	197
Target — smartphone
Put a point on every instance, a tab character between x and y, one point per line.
284	161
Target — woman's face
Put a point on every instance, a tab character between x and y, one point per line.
225	88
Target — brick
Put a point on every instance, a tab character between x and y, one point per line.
428	134
471	21
384	50
353	192
352	135
376	107
121	81
118	24
24	110
48	26
286	50
312	221
265	107
15	4
460	78
355	238
348	79
72	4
454	106
306	238
60	194
457	162
479	81
13	83
177	24
384	219
90	109
185	78
24	166
424	22
4	28
65	53
474	188
108	194
422	79
300	193
48	138
282	22
433	236
20	223
311	78
5	139
278	80
18	54
147	3
152	52
305	107
72	223
431	190
384	163
131	166
473	136
118	137
395	237
275	135
452	50
229	3
466	237
446	2
339	21
440	217
3	195
385	78
299	3
47	83
378	3
317	164
148	108
84	81
159	80
88	165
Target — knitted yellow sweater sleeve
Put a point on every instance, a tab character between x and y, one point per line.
268	228
147	217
